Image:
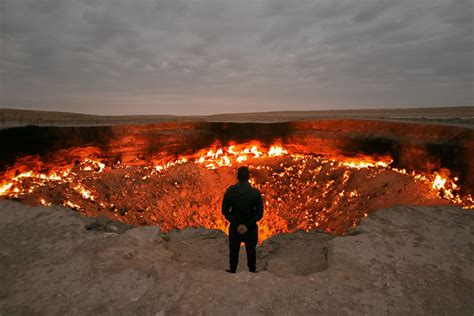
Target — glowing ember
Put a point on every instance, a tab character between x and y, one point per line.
276	151
5	188
300	191
86	194
439	182
366	164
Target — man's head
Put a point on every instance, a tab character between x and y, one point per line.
243	174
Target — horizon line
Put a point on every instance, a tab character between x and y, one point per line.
244	113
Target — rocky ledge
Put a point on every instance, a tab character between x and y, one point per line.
401	260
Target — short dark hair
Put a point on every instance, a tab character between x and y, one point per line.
243	174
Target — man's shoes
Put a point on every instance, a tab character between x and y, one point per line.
230	271
252	270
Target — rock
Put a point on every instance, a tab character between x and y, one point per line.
104	224
98	224
353	231
144	235
129	255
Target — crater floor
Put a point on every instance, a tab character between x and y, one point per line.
400	260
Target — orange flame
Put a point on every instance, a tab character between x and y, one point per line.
281	176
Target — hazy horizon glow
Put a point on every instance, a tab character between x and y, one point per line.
219	56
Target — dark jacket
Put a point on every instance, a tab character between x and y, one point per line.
242	204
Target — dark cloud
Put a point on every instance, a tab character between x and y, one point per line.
210	56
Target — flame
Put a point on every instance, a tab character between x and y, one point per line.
86	194
367	162
4	188
276	151
93	165
72	205
300	191
227	156
446	187
43	202
439	182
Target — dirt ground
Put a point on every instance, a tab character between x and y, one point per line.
401	260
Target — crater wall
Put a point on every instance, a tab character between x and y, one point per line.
420	147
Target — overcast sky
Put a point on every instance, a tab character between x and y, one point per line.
216	56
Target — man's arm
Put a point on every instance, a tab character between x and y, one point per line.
258	211
226	209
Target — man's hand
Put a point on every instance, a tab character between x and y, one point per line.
242	229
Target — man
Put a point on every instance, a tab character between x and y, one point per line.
242	206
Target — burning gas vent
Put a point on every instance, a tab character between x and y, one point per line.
302	188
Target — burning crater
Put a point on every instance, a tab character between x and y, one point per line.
320	174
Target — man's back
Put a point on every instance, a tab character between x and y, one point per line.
245	203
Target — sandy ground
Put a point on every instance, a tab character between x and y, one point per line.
460	116
401	260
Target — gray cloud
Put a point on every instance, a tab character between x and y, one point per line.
211	56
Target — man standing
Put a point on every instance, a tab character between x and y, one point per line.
242	206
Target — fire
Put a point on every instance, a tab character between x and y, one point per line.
276	151
86	194
93	165
72	205
446	187
225	157
300	191
365	164
439	182
4	188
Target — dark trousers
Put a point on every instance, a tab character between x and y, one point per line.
250	239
